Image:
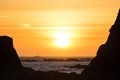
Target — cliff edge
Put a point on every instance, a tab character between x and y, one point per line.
106	65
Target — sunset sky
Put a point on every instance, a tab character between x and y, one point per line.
57	27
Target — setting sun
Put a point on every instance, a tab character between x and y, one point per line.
62	39
62	42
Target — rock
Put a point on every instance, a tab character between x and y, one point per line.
9	59
77	66
106	65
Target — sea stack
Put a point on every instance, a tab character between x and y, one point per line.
106	65
9	60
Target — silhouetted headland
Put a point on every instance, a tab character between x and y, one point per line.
105	66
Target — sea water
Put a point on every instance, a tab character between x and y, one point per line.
60	66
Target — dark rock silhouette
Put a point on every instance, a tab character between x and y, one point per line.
9	59
106	65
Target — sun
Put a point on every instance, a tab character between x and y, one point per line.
62	39
62	42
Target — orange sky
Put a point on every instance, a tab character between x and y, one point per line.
33	23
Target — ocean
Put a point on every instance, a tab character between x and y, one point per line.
60	66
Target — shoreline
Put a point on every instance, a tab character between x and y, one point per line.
40	75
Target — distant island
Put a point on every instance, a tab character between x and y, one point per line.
38	58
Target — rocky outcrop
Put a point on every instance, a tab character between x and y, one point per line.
106	65
9	60
77	66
